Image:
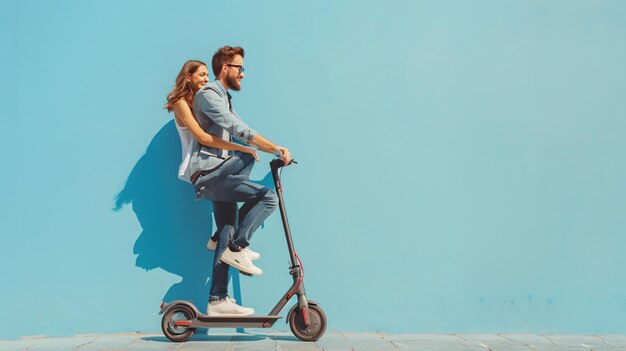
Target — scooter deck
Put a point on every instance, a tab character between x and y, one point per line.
204	321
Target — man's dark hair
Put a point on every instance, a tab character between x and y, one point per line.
224	55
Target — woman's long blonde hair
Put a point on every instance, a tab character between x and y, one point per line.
182	88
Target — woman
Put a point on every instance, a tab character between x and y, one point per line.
193	76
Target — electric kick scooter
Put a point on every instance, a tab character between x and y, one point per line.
306	319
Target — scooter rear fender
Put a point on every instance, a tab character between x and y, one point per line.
166	306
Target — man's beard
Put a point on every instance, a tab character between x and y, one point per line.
233	83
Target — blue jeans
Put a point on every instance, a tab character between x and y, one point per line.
225	186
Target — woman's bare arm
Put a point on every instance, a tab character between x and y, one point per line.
183	114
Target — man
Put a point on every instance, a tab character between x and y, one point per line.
223	178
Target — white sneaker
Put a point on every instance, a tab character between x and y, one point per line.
252	254
241	261
227	308
211	245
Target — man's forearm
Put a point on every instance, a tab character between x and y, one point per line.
263	144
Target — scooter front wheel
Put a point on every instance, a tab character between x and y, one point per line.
176	332
317	324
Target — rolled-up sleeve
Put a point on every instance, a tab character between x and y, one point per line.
212	105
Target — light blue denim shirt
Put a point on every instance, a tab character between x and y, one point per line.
211	108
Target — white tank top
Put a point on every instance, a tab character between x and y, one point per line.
185	144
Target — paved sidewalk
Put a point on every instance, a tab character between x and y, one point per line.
284	341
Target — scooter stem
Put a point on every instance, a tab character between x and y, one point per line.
275	165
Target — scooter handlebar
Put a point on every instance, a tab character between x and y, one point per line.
278	163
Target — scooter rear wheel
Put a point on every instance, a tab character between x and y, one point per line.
317	324
178	333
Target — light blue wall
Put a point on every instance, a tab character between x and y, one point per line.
461	162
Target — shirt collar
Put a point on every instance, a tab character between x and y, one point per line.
220	87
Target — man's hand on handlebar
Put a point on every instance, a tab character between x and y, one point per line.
285	155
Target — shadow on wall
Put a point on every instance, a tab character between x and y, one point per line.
175	228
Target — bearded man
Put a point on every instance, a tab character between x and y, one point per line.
223	177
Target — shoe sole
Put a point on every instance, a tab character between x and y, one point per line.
237	265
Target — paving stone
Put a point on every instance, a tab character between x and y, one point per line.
291	341
342	344
435	346
560	348
111	342
362	336
529	339
332	336
430	341
131	342
482	337
227	340
494	342
142	345
45	344
363	344
486	338
253	338
253	347
332	341
422	337
377	347
508	347
355	341
585	341
213	338
615	340
205	346
427	344
16	345
190	346
304	346
278	334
